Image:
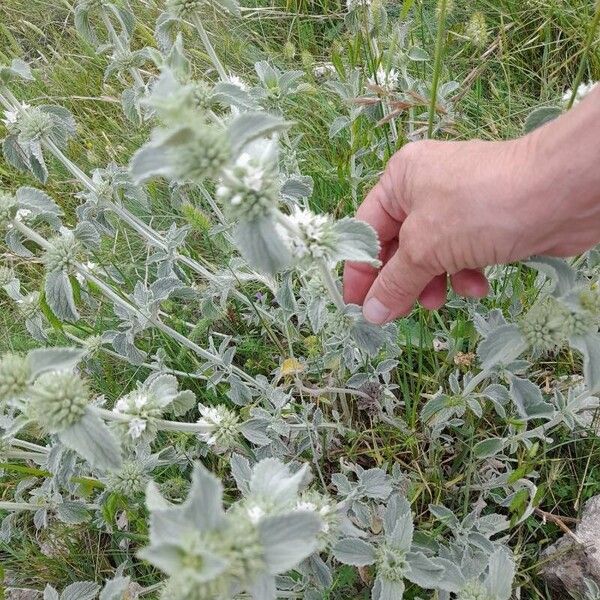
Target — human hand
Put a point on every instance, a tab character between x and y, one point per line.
452	208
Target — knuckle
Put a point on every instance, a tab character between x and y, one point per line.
391	287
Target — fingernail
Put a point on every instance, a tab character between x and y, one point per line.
376	312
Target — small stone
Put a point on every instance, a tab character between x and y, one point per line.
570	563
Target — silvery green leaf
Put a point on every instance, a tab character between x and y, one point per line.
130	105
452	579
87	234
540	116
297	187
14	153
356	241
38	202
83	25
375	483
182	403
72	513
417	54
7	528
203	505
50	593
154	499
402	533
488	448
231	6
529	400
241	471
368	337
42	360
384	589
229	94
561	274
339	123
36	162
18	68
501	346
272	479
448	88
250	126
589	346
93	440
82	590
115	589
162	288
239	393
501	574
261	245
288	539
444	514
354	551
59	295
263	587
14	240
422	570
165	24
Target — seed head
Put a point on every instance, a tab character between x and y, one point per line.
543	326
248	189
8	208
476	29
61	254
184	8
473	591
14	376
224	424
203	95
58	400
130	480
34	125
29	305
391	562
204	156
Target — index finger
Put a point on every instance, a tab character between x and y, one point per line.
379	210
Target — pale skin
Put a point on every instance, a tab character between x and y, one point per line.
446	210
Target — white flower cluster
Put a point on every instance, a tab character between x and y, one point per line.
223	424
314	237
386	79
582	91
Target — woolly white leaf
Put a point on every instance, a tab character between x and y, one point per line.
82	590
249	126
356	241
501	346
354	551
53	359
59	295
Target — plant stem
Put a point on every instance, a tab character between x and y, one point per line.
331	285
209	48
437	65
161	424
584	56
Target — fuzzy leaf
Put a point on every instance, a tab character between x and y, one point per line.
59	295
356	241
501	346
488	448
261	246
540	116
562	275
529	400
115	589
53	359
37	201
250	126
288	539
93	440
354	551
72	513
82	590
501	574
589	346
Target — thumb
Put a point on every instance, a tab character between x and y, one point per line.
401	280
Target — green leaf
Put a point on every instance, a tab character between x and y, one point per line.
42	360
81	590
356	241
501	346
540	116
59	295
93	440
528	399
488	448
249	126
354	551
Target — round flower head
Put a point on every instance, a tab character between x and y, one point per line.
14	376
391	562
316	236
175	488
184	8
6	275
474	591
579	323
590	301
224	424
543	326
387	80
182	587
129	481
29	305
58	400
249	190
34	124
8	208
203	156
61	254
203	95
